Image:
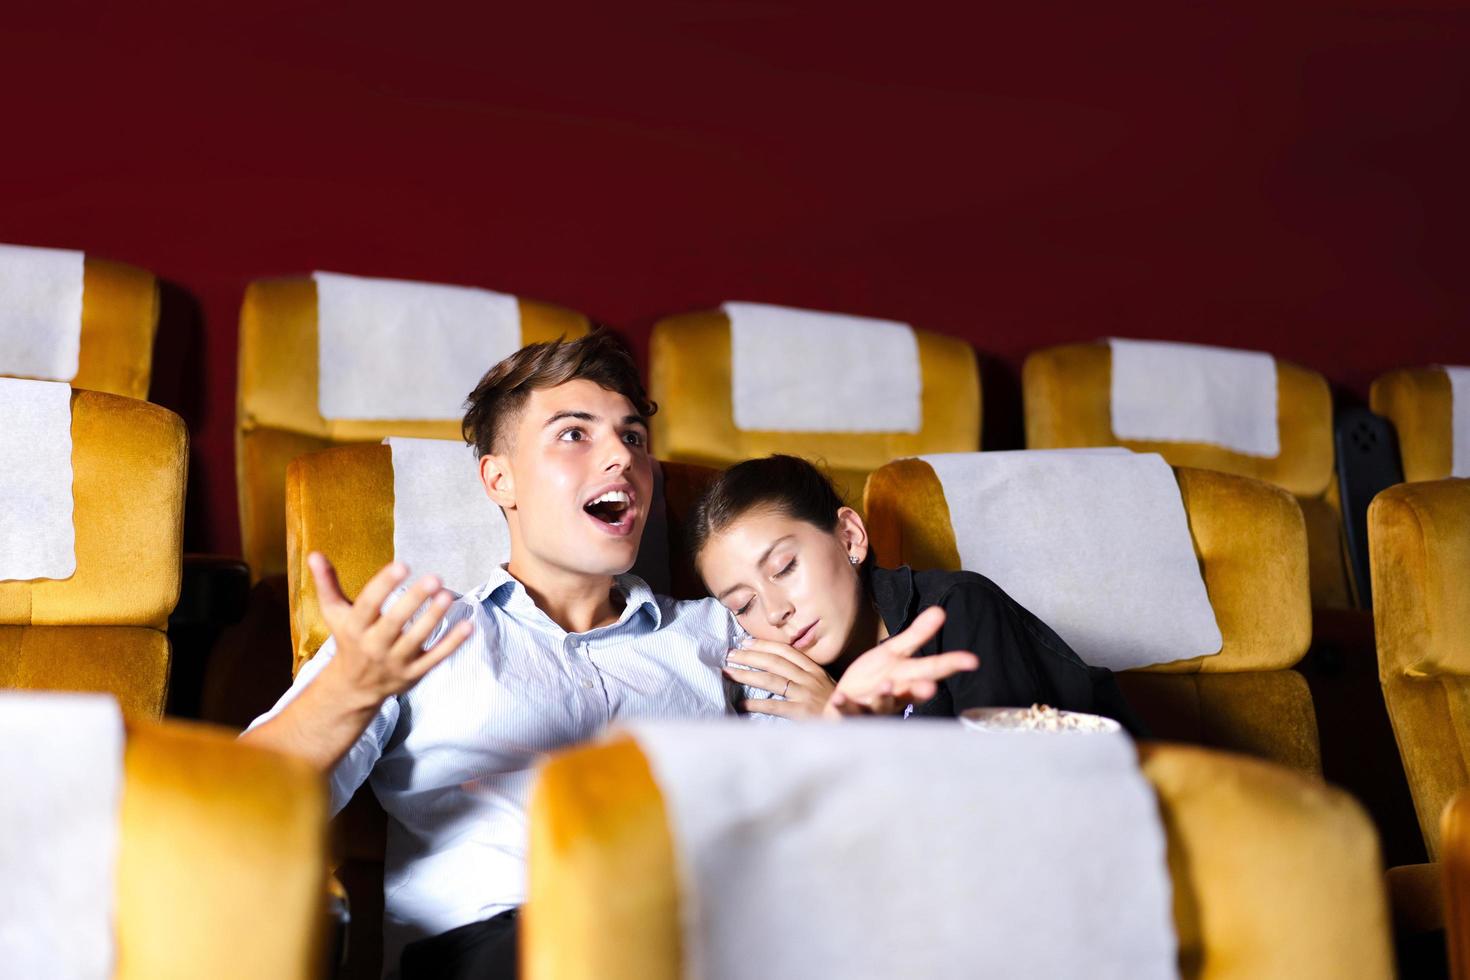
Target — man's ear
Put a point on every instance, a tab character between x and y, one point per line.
499	483
853	533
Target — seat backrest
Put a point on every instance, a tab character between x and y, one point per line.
221	858
340	502
1419	546
1419	403
119	320
1253	895
102	629
1067	392
690	376
278	416
1251	545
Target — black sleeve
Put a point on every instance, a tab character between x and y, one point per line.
1022	660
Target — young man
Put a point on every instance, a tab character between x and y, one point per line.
551	649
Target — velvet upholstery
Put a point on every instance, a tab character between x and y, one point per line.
102	628
277	404
119	321
689	376
1455	852
1419	403
1068	396
1251	543
221	858
1419	549
1274	874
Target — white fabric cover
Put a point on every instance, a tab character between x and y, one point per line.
1168	392
879	849
37	537
390	349
40	311
1096	544
61	765
802	371
1460	419
443	524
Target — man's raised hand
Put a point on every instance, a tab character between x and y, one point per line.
380	653
889	675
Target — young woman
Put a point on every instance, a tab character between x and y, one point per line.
775	544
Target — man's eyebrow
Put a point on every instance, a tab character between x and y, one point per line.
635	420
764	555
570	414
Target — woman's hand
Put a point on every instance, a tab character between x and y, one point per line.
889	676
784	671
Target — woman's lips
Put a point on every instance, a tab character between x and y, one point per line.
806	637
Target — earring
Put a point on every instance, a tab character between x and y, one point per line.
852	559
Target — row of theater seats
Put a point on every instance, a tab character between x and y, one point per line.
1265	561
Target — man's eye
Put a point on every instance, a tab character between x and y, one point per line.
572	435
633	438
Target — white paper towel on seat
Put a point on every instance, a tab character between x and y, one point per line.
1168	392
390	349
61	767
802	371
442	521
921	849
40	311
1095	544
37	537
1459	419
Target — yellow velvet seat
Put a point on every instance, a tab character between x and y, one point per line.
1274	874
689	376
1419	545
278	417
119	321
220	859
1251	544
1455	853
1418	402
340	502
1068	398
102	629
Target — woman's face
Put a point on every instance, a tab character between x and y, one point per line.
787	580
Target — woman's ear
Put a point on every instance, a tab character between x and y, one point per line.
853	534
499	484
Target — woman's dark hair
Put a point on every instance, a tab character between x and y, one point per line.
785	484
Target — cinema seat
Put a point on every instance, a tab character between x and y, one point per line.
340	502
1252	548
1455	858
102	629
221	858
1418	402
1419	544
689	372
278	418
1067	394
119	320
1274	874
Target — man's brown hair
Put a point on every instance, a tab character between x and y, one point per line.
498	399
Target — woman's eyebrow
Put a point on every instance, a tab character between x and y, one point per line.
759	562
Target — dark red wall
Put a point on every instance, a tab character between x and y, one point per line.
1283	178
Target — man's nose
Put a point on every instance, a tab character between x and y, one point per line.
619	457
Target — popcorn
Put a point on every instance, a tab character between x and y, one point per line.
1037	718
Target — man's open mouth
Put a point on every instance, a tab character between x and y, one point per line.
612	507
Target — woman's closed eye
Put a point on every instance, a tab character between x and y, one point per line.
745	608
786	570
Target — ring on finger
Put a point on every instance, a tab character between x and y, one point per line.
786	688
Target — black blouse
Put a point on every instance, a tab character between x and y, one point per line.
1022	660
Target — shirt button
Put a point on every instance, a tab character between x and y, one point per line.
587	685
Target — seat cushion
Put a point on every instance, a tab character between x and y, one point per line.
130	662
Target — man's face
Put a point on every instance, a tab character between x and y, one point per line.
580	481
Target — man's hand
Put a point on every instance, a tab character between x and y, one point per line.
890	676
381	653
784	670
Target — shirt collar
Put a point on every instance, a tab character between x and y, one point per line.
502	587
893	594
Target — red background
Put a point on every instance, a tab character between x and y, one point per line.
1284	177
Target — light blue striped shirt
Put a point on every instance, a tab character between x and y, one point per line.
451	760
